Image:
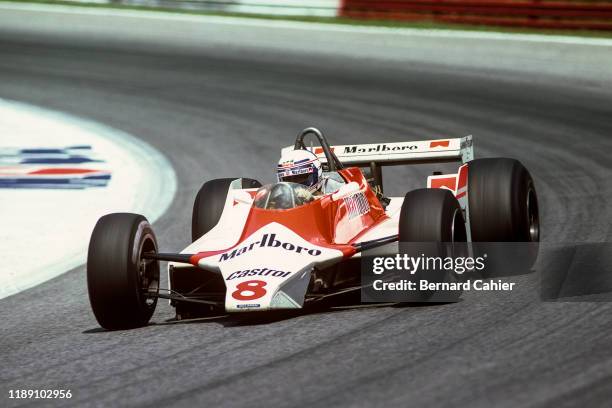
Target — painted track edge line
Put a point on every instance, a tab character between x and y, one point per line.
155	209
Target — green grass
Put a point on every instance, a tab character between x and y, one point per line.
335	20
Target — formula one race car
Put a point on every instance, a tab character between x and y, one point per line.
278	246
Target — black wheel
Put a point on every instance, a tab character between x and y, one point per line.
502	202
431	217
503	208
209	203
118	278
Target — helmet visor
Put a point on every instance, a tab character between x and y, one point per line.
303	179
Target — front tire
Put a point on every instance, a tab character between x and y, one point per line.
432	220
118	278
431	215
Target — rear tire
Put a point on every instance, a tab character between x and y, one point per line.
209	204
503	207
503	203
118	279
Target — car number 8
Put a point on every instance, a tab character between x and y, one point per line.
249	290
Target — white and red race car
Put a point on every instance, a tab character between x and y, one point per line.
278	246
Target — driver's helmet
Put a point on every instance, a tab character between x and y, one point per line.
302	167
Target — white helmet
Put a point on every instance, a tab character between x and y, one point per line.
302	167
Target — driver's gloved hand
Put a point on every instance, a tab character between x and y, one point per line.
383	200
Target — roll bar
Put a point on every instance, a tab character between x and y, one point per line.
333	163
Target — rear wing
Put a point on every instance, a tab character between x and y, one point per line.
389	154
376	155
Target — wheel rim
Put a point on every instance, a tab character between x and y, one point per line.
533	217
458	233
148	272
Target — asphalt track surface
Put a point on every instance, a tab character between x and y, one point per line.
226	112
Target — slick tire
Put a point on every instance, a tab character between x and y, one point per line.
428	218
209	203
431	215
502	201
118	278
503	208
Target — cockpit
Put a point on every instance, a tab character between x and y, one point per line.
282	196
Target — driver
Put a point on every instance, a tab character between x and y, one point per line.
304	167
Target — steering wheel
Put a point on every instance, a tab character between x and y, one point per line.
333	163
